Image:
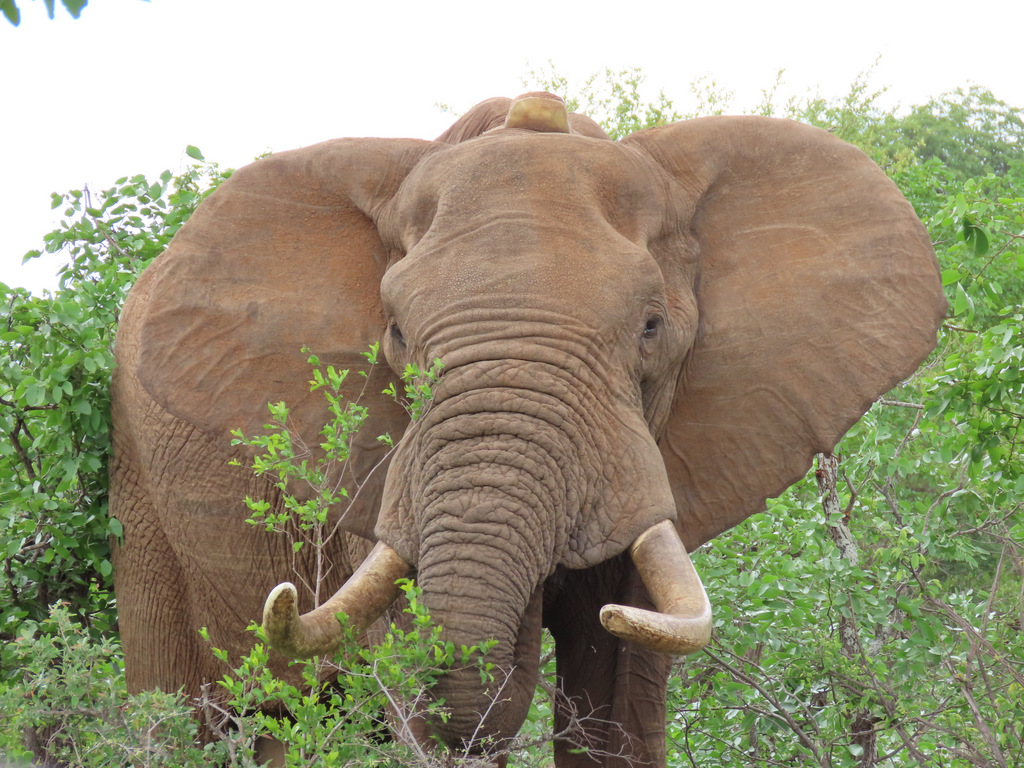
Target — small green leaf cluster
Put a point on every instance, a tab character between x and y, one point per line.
284	456
310	481
979	233
418	385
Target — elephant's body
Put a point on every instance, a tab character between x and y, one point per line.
661	329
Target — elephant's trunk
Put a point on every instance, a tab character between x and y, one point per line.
473	607
492	523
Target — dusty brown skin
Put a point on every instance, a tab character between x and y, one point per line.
666	328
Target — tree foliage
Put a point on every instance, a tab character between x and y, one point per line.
79	713
970	131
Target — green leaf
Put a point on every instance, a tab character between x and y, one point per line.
10	10
908	607
74	7
194	152
963	303
35	395
975	236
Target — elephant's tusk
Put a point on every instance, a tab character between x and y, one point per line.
363	598
682	624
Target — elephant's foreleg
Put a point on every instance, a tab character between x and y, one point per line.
153	615
614	691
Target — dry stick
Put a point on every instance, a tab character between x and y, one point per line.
1020	605
406	732
969	630
888	700
785	762
991	522
575	730
910	432
25	459
990	692
854	493
808	712
988	603
776	704
826	477
978	640
900	404
979	720
490	707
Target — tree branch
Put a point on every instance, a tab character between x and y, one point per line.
743	677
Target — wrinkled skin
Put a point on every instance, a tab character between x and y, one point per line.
662	328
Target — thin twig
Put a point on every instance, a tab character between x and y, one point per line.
900	404
776	705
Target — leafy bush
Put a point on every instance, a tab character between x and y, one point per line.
72	704
73	701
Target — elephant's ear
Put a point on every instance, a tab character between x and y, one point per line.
817	291
480	118
284	254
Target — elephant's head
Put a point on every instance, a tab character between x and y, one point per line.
642	341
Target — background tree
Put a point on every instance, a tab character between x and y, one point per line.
874	615
55	364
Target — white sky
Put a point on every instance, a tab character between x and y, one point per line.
125	88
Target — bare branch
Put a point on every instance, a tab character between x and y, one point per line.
900	404
965	685
777	707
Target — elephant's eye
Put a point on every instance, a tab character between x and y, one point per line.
396	334
651	329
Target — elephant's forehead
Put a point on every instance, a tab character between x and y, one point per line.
540	179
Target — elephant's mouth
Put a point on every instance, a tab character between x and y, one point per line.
681	625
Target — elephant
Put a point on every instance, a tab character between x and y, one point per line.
642	341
